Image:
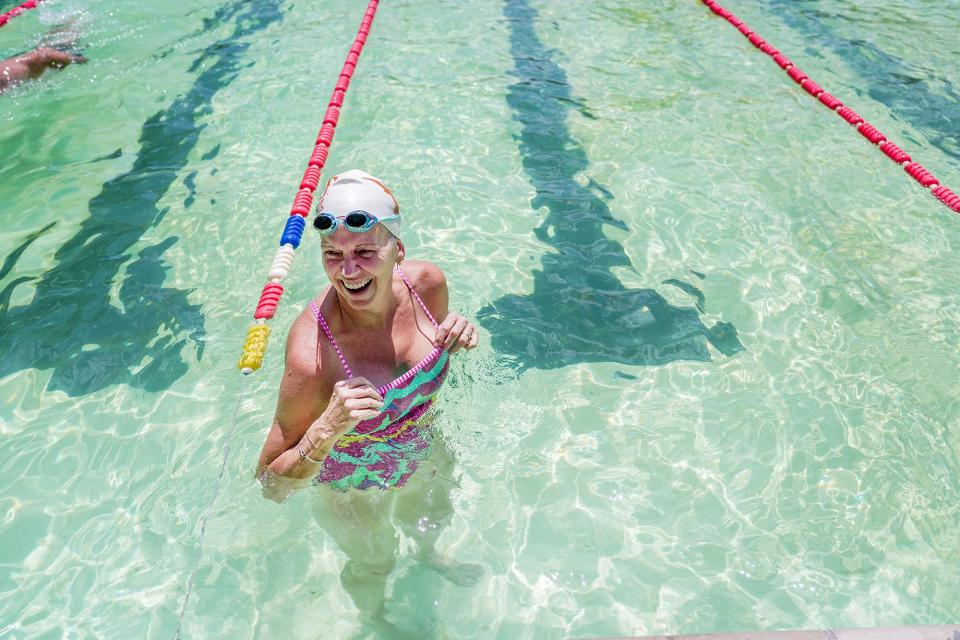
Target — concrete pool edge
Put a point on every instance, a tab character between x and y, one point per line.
936	632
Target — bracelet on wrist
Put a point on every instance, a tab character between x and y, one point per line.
304	456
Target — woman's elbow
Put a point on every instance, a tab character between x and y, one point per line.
277	487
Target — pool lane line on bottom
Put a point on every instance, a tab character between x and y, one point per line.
914	169
13	13
255	344
234	425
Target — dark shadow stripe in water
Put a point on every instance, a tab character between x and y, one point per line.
93	338
579	311
914	94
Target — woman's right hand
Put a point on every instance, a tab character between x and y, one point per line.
352	401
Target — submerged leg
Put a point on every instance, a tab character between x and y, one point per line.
424	510
360	523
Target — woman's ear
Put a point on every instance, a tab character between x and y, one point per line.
401	251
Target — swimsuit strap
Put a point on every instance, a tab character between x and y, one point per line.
326	330
402	379
417	296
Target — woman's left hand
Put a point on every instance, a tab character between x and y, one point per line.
455	333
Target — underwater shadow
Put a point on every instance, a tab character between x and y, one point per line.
579	311
91	330
906	88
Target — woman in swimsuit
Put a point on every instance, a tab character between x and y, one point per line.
363	364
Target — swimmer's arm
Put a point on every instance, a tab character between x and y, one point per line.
12	71
302	398
32	64
46	57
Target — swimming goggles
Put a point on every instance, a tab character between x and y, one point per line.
356	221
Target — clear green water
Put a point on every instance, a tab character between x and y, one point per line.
624	462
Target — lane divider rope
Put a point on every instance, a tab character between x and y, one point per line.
914	169
13	13
255	344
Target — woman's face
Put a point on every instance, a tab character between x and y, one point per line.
360	265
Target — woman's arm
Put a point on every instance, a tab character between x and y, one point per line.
312	412
302	398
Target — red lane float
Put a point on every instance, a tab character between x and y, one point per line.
311	178
895	153
947	197
812	88
914	169
829	101
797	75
269	299
255	344
13	13
920	174
850	115
870	132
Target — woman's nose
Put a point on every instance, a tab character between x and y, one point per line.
348	267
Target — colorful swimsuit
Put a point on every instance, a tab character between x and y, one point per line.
384	451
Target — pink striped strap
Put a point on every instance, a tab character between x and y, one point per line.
417	296
326	330
409	374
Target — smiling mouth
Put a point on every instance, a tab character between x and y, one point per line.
358	286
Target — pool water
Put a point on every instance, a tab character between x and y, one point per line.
721	335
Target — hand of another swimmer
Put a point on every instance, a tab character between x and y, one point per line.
455	333
59	59
352	401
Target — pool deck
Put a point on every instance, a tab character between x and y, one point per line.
940	632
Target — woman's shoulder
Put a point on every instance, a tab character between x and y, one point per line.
308	353
301	353
425	276
430	284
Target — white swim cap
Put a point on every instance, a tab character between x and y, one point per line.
357	190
